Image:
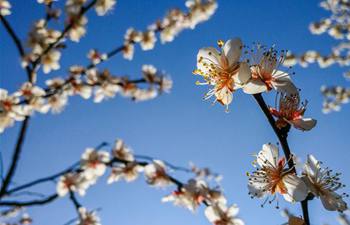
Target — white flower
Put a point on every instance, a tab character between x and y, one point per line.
323	184
156	174
72	182
265	71
96	57
220	214
129	171
149	72
78	29
128	51
132	35
290	112
88	218
46	2
165	84
76	86
272	177
122	152
50	61
94	163
5	8
223	70
144	94
73	7
103	6
28	91
148	40
9	110
192	194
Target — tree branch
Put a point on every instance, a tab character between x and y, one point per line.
30	203
282	137
83	10
17	42
15	158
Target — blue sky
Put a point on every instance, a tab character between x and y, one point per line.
178	127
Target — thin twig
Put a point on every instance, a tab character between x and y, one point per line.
282	137
17	43
42	180
15	158
30	203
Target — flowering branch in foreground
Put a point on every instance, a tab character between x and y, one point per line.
259	72
124	165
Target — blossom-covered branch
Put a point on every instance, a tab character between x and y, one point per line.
124	166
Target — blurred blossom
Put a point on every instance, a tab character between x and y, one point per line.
5	8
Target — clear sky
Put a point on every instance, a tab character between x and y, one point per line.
177	127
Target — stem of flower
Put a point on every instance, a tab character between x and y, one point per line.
282	137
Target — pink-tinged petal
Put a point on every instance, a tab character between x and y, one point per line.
333	202
268	156
283	83
211	214
232	50
206	57
296	188
244	74
255	87
304	124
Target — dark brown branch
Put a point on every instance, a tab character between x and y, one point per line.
15	158
282	137
30	203
17	43
42	180
76	204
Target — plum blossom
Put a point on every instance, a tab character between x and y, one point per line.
220	214
128	171
93	163
323	184
128	51
273	177
78	29
50	61
192	194
122	152
265	72
156	174
223	70
103	6
10	111
148	40
5	8
290	112
96	57
88	218
72	181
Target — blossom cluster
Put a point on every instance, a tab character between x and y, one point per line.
124	165
86	83
15	216
334	97
45	43
259	72
169	27
272	176
337	26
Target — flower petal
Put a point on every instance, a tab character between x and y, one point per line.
232	50
283	83
206	57
254	87
268	156
332	202
304	123
296	188
244	74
